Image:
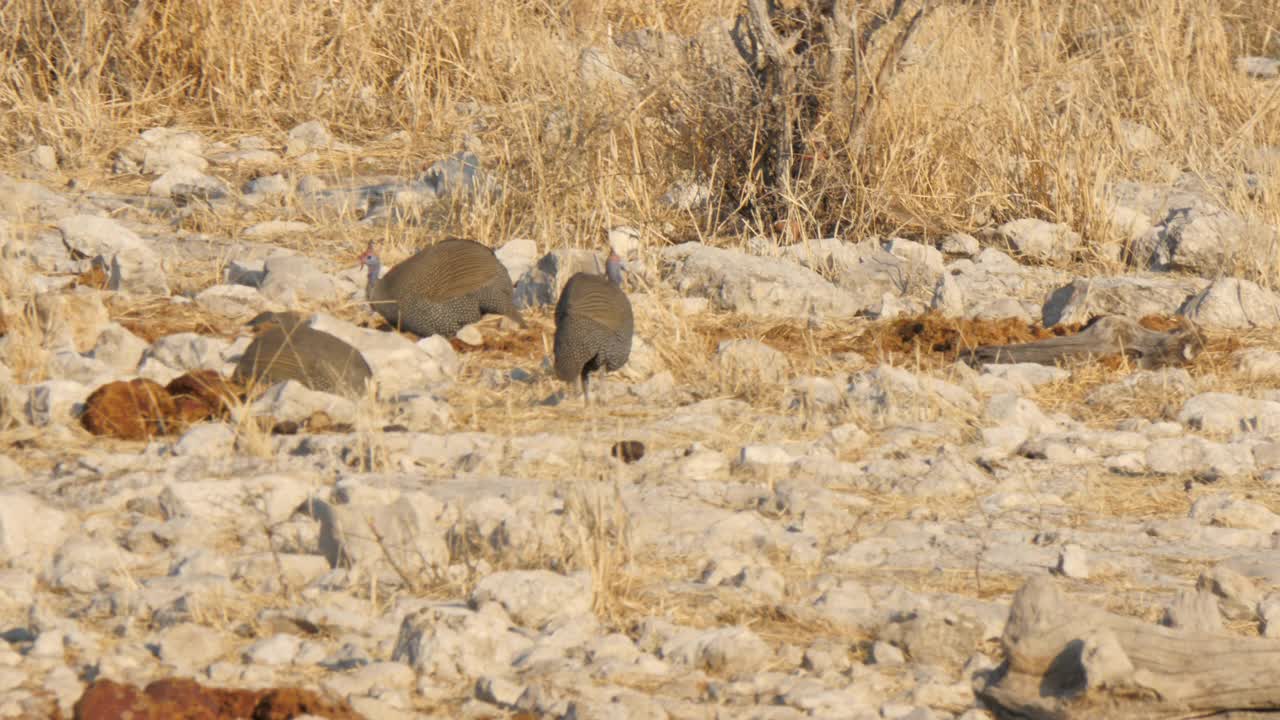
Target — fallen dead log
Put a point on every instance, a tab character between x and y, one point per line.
1064	661
1110	335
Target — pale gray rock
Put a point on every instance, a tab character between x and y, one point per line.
189	647
268	186
1025	377
895	395
71	365
960	244
459	176
1073	562
30	530
725	650
936	637
1040	240
1197	456
868	272
134	266
187	182
279	649
10	469
918	255
1222	510
405	533
517	256
233	301
307	135
626	241
211	440
291	279
1205	243
256	157
1170	384
55	402
1193	611
1269	612
883	653
534	598
453	643
1016	411
420	410
1256	363
993	275
276	228
161	149
43	157
1238	597
757	286
541	284
1001	309
948	298
764	456
291	401
118	348
189	351
1217	412
1234	304
1132	296
751	362
152	369
1261	68
398	363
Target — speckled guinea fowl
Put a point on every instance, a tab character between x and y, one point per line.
288	349
440	289
594	325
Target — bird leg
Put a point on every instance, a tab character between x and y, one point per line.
586	394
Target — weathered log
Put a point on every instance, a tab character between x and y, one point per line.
1111	335
1064	661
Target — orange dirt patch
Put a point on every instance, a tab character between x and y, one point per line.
953	335
152	320
182	699
95	277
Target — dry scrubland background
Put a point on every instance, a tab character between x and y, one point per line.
996	111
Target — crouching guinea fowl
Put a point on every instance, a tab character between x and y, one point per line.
286	348
441	288
594	325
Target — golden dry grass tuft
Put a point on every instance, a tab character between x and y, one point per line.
996	110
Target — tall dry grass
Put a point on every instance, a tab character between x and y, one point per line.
997	109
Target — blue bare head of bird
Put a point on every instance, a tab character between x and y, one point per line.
369	259
613	268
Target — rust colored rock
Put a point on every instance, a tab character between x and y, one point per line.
628	451
286	703
184	699
202	395
135	410
215	702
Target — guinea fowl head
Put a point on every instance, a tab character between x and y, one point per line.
613	268
369	259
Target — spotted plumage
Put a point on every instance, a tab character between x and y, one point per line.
440	289
286	348
594	325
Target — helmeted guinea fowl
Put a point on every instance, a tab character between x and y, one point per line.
440	289
594	325
286	348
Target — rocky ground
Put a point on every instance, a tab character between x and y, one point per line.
829	517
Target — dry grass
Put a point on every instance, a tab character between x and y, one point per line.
997	111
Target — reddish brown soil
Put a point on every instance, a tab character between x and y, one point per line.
182	699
